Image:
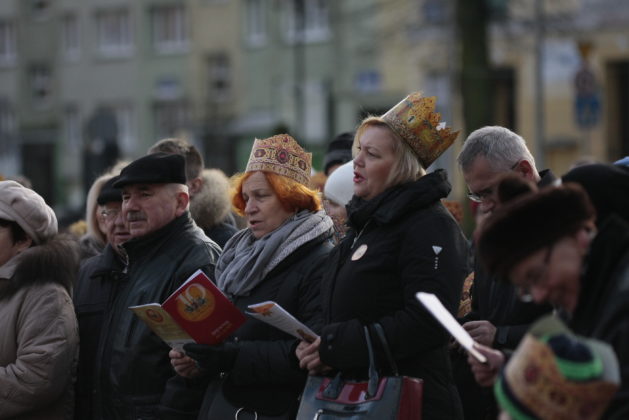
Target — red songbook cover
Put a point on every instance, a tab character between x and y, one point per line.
199	308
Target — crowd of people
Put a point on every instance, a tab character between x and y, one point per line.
542	284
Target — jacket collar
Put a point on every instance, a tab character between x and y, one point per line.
155	239
396	201
109	261
607	251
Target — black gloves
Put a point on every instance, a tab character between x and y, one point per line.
213	360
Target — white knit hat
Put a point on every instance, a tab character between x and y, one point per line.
340	184
28	209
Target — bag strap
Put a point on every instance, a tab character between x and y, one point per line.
372	386
336	385
385	345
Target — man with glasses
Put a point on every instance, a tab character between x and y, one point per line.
97	277
498	317
548	246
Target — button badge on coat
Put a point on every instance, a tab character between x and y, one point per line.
358	254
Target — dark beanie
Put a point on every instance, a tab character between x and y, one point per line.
156	168
513	185
529	223
108	193
606	185
339	151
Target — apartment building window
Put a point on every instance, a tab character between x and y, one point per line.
70	37
308	22
8	43
170	29
114	33
126	127
256	23
435	11
40	9
72	128
171	118
40	81
219	77
7	126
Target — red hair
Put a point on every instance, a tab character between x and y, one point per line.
293	195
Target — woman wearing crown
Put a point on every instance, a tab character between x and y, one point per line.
278	257
402	241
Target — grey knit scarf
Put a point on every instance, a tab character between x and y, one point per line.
246	261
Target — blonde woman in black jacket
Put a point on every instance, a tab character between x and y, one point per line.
402	241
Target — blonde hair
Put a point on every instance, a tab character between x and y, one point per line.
406	167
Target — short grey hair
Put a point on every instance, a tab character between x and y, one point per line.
500	146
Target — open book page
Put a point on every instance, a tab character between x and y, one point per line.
198	308
162	324
273	314
436	308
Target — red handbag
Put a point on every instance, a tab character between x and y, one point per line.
391	397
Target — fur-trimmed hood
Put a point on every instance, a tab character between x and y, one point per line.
212	204
56	261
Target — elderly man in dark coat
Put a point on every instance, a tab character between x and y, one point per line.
131	367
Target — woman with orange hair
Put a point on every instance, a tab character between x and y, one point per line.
278	257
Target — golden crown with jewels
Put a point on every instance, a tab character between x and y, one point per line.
415	121
281	154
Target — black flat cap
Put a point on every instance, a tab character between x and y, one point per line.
156	168
606	185
108	193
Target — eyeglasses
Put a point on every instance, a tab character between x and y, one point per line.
534	279
488	192
110	214
481	196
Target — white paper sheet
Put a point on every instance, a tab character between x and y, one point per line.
436	308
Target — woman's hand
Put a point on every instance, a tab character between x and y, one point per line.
485	373
183	365
308	355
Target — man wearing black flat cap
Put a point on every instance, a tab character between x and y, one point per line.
132	369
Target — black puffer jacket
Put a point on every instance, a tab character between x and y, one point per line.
132	365
602	311
403	241
266	376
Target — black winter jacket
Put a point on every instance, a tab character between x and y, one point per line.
402	242
602	311
266	377
99	277
132	365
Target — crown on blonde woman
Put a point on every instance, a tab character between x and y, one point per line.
415	121
282	155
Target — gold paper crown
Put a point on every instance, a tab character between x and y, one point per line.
415	121
282	155
535	378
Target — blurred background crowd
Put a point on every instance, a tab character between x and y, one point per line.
84	84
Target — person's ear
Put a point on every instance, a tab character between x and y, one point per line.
183	199
586	234
525	169
23	244
195	185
